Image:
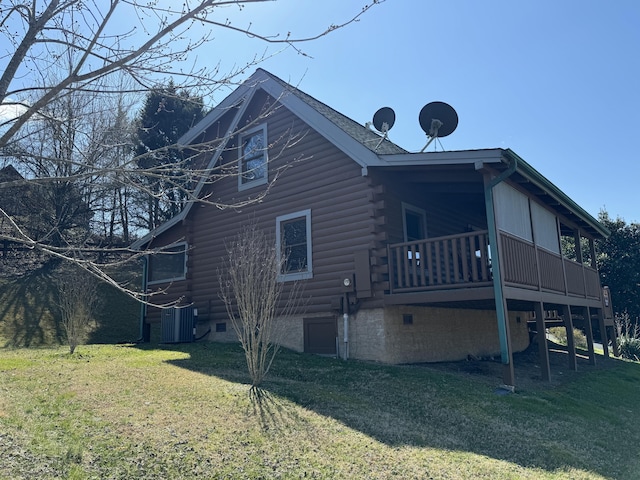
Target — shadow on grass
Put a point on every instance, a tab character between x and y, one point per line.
27	310
274	413
29	315
453	407
118	318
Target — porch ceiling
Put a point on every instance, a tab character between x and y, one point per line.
457	179
466	178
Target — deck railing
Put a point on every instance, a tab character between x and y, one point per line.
442	262
464	261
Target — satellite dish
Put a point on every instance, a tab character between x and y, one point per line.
384	119
437	119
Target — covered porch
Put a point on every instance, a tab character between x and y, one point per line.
492	233
456	270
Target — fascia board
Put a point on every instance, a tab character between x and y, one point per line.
214	115
496	155
457	157
138	244
329	130
245	98
325	127
214	158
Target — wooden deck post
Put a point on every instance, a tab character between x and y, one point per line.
603	332
545	370
508	371
571	344
588	331
614	341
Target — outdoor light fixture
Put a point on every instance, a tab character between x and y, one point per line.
348	283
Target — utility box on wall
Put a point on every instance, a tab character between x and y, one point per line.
178	324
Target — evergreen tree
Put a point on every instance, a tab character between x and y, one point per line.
166	115
619	264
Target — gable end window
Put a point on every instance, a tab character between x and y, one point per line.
293	241
253	158
168	265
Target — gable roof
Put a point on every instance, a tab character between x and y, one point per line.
355	140
360	143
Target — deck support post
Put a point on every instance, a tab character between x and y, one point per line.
543	349
571	344
603	332
508	371
588	331
614	341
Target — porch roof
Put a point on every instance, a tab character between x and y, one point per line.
499	159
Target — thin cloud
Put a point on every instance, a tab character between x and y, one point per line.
11	110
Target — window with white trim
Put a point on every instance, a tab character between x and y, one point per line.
168	264
293	242
253	158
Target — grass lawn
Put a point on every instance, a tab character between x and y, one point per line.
187	411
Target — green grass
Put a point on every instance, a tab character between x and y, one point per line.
187	411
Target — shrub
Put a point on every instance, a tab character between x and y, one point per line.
628	336
560	334
251	292
77	301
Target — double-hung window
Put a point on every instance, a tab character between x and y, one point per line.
168	265
293	239
253	158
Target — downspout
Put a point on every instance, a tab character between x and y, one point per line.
495	263
345	326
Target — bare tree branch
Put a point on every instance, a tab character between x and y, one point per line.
65	78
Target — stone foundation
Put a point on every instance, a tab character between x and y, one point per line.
426	334
410	334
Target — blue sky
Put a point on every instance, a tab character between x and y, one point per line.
556	81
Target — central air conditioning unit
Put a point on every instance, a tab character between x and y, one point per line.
178	324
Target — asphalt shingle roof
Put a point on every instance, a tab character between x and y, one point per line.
358	132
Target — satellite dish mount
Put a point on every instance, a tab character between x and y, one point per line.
383	120
437	120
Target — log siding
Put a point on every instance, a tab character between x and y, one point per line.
313	175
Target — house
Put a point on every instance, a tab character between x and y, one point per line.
405	257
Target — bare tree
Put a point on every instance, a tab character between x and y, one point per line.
99	39
77	301
59	154
254	298
65	50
